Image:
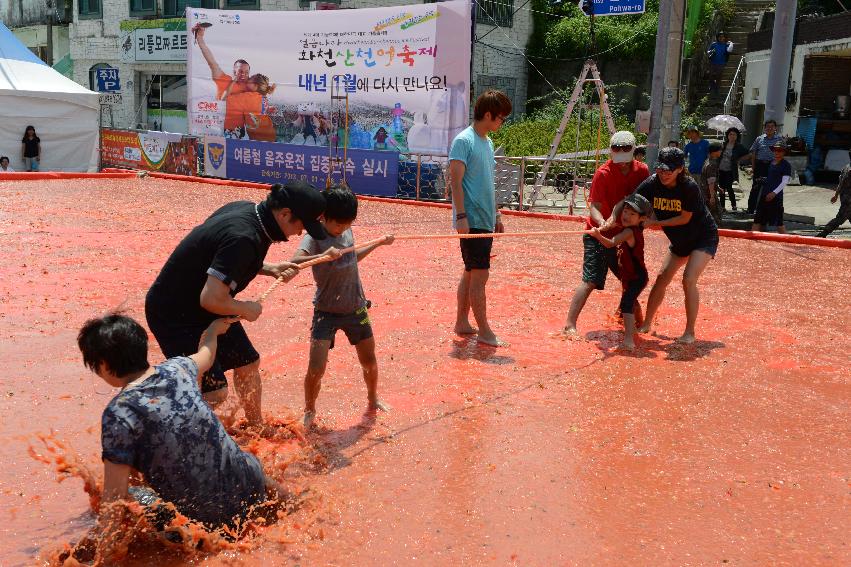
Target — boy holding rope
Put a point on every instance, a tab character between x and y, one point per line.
471	176
339	303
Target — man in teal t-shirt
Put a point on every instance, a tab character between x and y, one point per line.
471	175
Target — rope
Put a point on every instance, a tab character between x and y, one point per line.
486	235
321	260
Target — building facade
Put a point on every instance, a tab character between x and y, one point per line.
42	26
132	43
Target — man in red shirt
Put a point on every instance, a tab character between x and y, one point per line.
612	183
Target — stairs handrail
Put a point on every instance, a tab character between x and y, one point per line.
730	101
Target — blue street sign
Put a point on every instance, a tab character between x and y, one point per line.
108	81
616	7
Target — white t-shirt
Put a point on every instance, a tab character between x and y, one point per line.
7	169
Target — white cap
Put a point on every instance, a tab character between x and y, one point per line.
622	138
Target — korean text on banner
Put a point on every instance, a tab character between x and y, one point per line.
368	172
268	76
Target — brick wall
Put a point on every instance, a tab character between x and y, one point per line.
824	78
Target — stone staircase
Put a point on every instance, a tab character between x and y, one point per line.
743	23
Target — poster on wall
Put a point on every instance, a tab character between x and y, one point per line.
403	73
151	151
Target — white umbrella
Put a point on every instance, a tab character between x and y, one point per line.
723	122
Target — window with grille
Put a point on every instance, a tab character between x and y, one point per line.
89	9
495	12
143	7
177	8
243	4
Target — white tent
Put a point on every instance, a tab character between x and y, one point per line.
64	114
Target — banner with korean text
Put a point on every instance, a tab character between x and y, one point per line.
152	151
268	76
368	172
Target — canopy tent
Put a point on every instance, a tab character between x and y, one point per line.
64	114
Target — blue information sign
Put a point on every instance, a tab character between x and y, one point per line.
368	172
617	7
108	81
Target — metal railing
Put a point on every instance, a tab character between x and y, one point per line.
565	188
732	101
423	177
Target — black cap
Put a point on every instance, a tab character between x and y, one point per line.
715	146
670	159
638	203
305	201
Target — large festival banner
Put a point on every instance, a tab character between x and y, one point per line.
268	76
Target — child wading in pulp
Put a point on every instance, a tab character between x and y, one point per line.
159	425
631	268
339	303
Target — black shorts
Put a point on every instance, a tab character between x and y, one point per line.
476	252
707	243
356	326
631	290
181	339
597	260
769	214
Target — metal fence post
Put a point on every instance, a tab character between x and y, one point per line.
419	169
522	189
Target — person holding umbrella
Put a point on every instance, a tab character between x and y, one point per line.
733	152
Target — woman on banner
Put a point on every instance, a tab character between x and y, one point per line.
248	112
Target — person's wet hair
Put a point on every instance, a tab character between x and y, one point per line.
115	340
493	101
341	204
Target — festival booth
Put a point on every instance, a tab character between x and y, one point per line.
64	114
353	95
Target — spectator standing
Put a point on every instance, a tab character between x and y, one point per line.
696	151
719	54
732	154
843	193
4	164
709	181
31	149
769	208
761	157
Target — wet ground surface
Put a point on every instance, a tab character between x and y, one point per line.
732	451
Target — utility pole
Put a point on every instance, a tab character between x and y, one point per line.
49	54
658	87
781	59
665	91
671	110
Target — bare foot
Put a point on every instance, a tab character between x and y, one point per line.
307	419
491	340
466	329
569	330
378	405
686	339
628	345
643	329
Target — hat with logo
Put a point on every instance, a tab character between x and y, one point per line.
305	201
670	159
638	203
